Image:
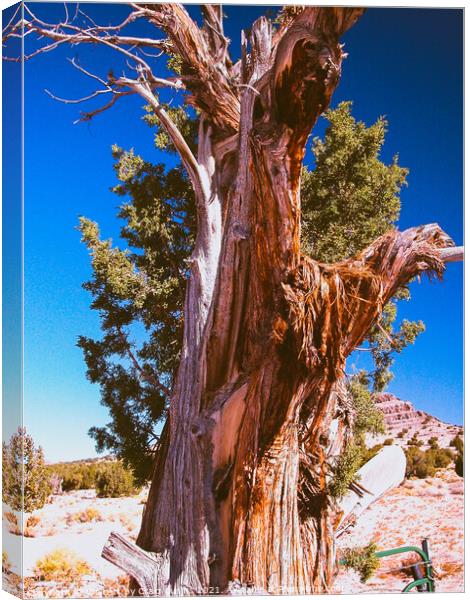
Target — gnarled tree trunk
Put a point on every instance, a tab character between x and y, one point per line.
239	495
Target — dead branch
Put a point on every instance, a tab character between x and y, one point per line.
453	254
144	84
150	570
332	307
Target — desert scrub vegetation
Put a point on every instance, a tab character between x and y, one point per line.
110	478
457	443
12	520
25	481
362	560
75	475
61	565
30	526
115	480
415	441
88	515
424	463
6	564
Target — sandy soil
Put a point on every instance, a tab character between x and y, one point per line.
77	521
432	508
402	517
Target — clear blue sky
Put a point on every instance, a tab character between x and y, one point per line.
403	63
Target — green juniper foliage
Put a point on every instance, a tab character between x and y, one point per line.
367	418
139	294
350	199
113	480
362	560
25	479
422	464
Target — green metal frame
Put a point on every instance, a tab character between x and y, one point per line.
424	554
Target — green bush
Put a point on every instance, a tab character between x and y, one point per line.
433	443
362	560
457	443
76	475
442	457
418	463
459	464
114	481
423	464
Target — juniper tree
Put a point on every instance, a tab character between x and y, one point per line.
257	409
142	284
158	213
25	479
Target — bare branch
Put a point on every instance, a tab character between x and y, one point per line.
87	73
453	254
150	570
88	116
10	22
213	22
72	34
187	157
78	100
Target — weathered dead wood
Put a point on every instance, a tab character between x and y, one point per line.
150	570
453	254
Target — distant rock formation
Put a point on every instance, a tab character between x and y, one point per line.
402	420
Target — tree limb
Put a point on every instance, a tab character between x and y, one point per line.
332	307
453	254
143	373
150	570
204	61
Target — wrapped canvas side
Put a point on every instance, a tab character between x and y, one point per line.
12	325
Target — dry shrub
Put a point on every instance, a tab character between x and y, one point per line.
61	565
32	521
30	532
13	526
85	516
447	569
126	521
11	518
6	564
116	588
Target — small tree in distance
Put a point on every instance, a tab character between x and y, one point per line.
25	478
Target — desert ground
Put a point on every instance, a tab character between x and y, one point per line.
80	522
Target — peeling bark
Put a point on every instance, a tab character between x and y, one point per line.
239	496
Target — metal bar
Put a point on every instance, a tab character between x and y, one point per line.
413	584
423	553
394	551
429	573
